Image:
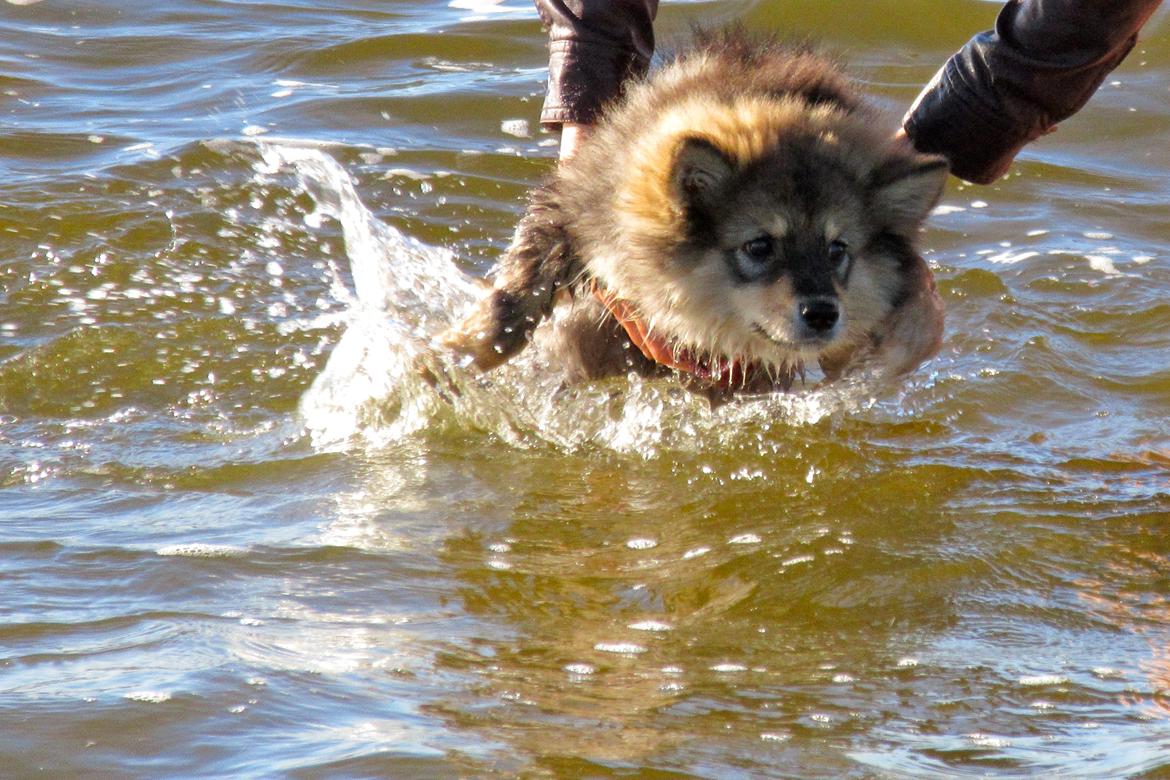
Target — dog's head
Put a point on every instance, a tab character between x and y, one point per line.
770	228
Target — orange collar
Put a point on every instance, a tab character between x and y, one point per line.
721	373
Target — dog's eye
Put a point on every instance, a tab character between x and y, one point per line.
839	255
755	260
759	248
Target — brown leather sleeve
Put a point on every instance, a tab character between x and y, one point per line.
1008	86
594	45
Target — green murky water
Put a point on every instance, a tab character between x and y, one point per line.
239	538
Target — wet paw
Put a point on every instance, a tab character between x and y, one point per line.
497	329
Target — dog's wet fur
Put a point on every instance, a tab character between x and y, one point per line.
748	205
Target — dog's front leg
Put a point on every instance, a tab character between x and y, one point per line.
538	263
913	331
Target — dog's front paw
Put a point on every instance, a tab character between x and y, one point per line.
913	332
492	334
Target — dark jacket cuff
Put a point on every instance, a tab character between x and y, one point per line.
978	139
583	77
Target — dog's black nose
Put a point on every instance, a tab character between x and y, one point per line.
819	315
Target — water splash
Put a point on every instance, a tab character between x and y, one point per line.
373	389
403	293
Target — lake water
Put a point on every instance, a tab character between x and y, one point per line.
240	538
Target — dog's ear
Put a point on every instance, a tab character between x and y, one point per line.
906	188
699	173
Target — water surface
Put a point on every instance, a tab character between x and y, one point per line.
239	537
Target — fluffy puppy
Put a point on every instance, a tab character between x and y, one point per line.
739	213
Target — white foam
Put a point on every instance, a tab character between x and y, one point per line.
516	127
651	625
622	648
200	550
1043	680
150	697
484	7
1011	258
1102	264
744	539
